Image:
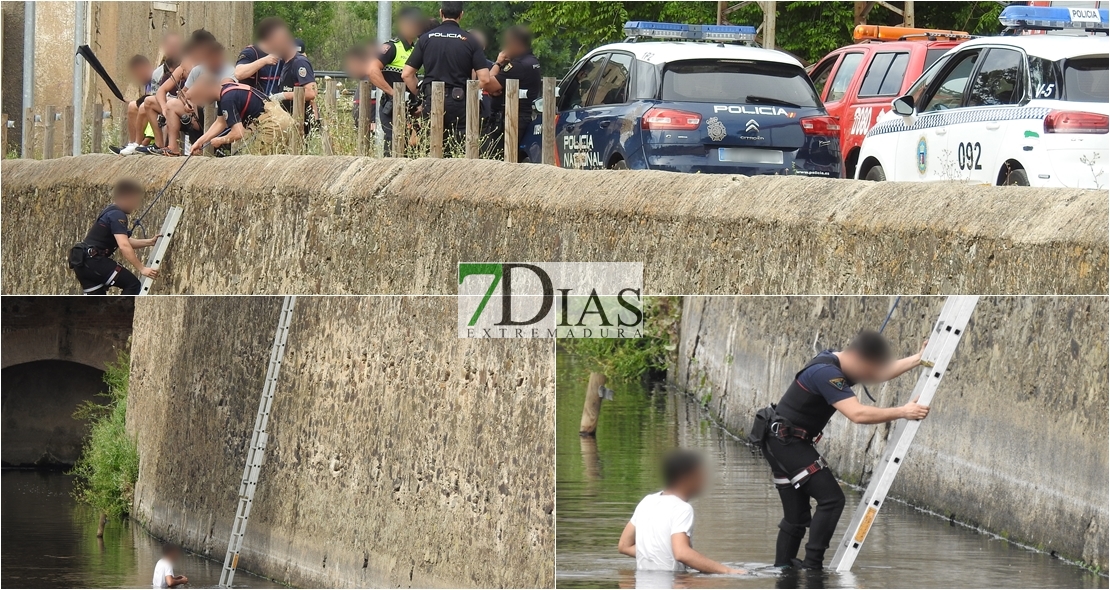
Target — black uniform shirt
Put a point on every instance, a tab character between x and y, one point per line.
102	235
525	68
298	72
268	78
808	402
448	54
239	104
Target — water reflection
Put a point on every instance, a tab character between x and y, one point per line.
49	541
600	481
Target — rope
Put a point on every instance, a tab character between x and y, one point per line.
194	149
881	328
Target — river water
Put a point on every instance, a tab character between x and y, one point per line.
599	482
49	541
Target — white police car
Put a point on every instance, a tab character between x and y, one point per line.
1029	110
697	102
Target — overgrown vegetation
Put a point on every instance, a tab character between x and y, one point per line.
567	30
109	464
630	358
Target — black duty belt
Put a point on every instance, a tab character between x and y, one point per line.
783	431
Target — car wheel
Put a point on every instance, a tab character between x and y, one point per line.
1016	177
876	173
619	165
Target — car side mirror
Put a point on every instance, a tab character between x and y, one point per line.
903	106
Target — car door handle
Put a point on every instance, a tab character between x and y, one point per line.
993	125
604	124
940	131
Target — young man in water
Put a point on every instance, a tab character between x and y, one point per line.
659	534
163	570
822	388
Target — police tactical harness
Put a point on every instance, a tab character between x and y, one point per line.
769	422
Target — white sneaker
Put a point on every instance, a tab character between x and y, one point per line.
129	149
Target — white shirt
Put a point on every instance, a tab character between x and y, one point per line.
162	569
657	517
227	72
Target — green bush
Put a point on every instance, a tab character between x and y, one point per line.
109	464
629	358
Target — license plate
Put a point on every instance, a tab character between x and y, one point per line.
741	155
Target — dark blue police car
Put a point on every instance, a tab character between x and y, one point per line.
700	101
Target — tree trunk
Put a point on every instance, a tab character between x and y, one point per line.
591	409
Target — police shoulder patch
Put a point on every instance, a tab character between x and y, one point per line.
302	72
838	382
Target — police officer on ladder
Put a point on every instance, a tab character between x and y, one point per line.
386	68
448	54
91	259
787	433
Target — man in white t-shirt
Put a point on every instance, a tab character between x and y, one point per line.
163	570
659	534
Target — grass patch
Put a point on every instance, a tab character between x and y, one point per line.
629	358
109	464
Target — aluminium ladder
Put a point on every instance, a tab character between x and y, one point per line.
161	246
942	345
257	451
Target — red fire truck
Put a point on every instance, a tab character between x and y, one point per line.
858	82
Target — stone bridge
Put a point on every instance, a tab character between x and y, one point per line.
55	350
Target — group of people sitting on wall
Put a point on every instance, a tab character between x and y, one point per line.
253	96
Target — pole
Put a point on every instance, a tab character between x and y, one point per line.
907	14
80	13
512	119
98	128
48	132
209	118
547	149
28	134
721	6
298	120
473	119
435	150
4	141
591	409
28	74
363	117
385	30
400	124
768	24
69	135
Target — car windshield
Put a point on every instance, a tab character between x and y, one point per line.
738	82
1085	79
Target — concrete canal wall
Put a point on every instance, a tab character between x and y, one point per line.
399	455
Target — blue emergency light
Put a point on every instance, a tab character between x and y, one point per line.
639	29
1054	18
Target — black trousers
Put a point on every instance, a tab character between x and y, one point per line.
787	458
100	273
386	105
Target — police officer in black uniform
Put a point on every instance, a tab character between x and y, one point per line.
385	69
448	54
91	259
516	60
822	388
